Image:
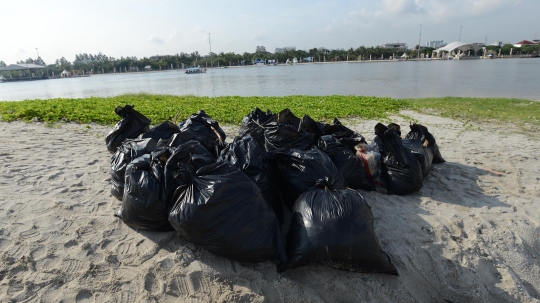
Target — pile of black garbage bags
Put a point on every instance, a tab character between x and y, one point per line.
284	190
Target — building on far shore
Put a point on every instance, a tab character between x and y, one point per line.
260	49
396	45
284	49
435	43
524	42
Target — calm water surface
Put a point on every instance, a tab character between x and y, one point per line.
517	78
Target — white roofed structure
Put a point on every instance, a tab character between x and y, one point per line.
458	45
21	67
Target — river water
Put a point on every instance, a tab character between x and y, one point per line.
517	78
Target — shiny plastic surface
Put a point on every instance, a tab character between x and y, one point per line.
403	171
248	155
299	170
222	210
125	153
130	126
335	228
345	160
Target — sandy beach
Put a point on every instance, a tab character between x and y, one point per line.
471	234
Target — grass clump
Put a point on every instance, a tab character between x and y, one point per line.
522	113
227	109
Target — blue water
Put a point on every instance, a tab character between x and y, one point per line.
517	78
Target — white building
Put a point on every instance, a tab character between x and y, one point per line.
435	43
284	49
394	45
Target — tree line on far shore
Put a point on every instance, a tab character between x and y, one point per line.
100	63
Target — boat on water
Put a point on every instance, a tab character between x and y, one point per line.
195	70
258	62
294	61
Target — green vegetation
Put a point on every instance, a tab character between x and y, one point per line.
101	63
229	109
516	111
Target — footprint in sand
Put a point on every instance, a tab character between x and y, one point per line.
84	296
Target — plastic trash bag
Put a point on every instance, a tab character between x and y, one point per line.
287	133
345	160
205	130
403	171
422	153
312	126
254	124
421	133
151	181
142	204
246	154
130	126
130	150
286	116
220	209
369	158
177	139
334	227
280	136
162	131
299	170
191	155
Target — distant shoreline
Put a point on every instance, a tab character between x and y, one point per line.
324	62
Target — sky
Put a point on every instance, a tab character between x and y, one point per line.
119	28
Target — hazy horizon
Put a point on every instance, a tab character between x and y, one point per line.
126	28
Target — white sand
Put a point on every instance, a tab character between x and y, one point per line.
470	235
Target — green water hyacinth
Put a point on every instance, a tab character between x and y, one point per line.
227	109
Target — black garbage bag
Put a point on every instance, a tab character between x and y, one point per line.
334	227
280	136
286	116
422	153
191	155
142	204
345	135
205	130
347	164
312	126
299	170
162	131
403	171
421	133
130	126
246	154
177	139
130	150
254	124
287	133
222	210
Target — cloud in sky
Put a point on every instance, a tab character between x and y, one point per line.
435	10
174	35
401	6
260	36
304	24
155	39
